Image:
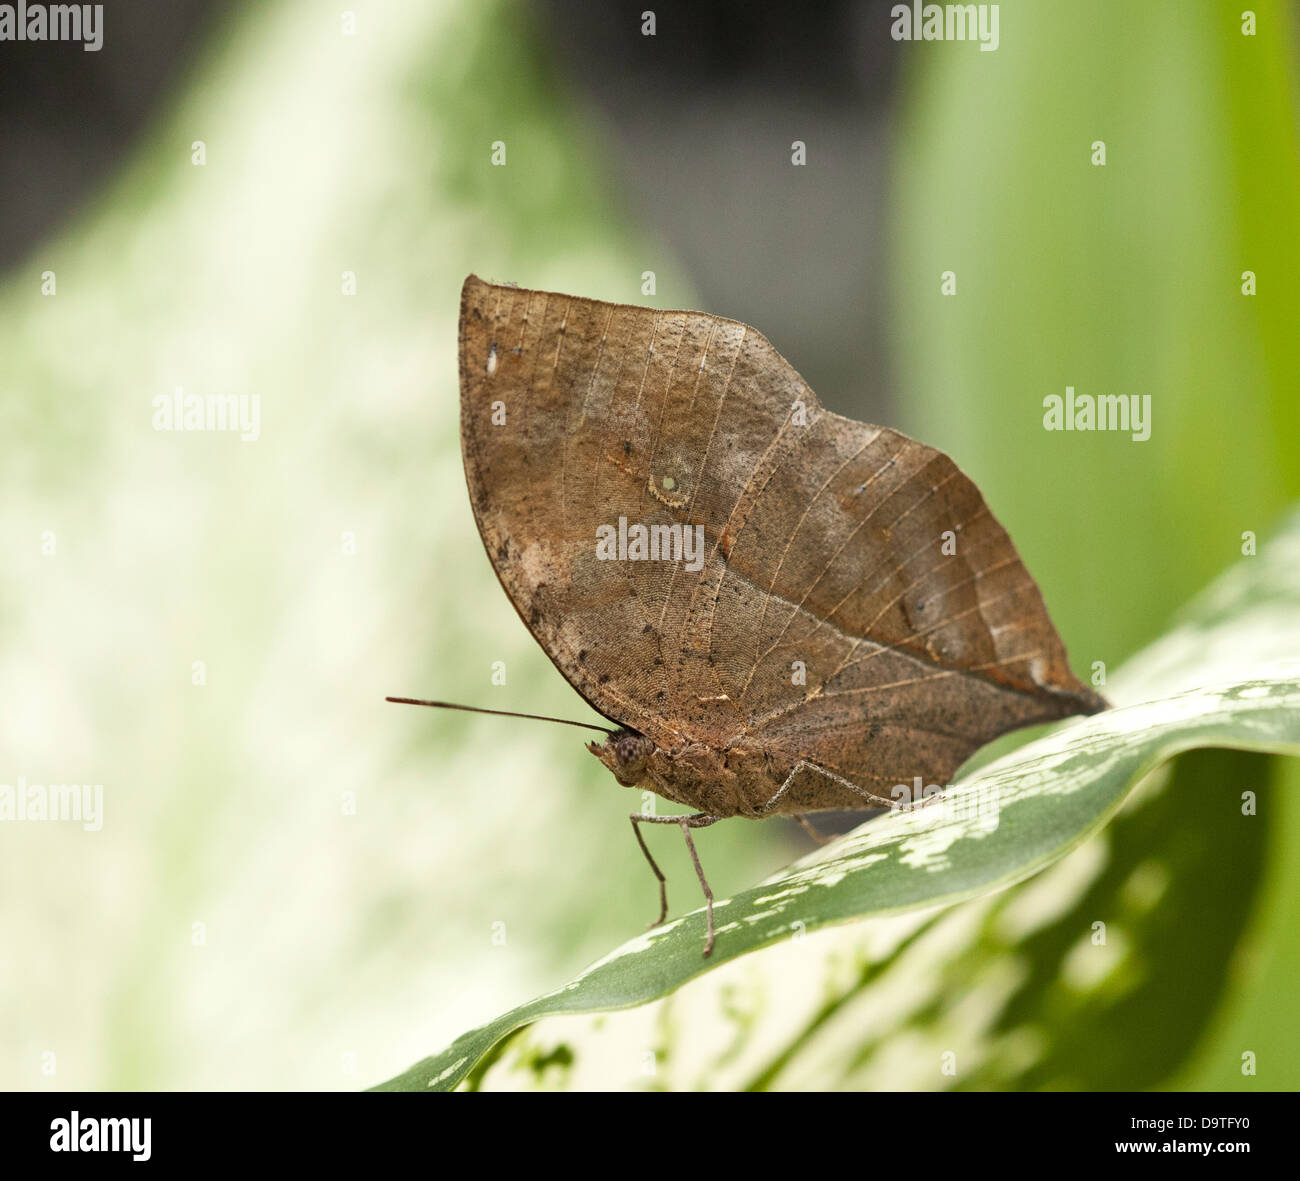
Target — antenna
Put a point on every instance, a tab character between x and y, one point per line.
500	713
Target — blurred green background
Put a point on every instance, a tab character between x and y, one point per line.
297	885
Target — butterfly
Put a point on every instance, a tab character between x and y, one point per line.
782	611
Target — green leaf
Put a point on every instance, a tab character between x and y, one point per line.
1007	821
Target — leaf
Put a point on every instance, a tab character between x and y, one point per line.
1094	975
1005	822
1163	966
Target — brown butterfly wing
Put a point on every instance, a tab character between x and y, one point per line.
858	605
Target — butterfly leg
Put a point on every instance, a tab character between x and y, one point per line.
685	823
688	823
874	800
637	819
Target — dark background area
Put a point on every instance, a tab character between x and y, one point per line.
67	117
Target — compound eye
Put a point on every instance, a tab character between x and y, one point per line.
628	750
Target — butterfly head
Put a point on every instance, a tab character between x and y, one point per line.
625	753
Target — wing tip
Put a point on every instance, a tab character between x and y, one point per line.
474	288
470	291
